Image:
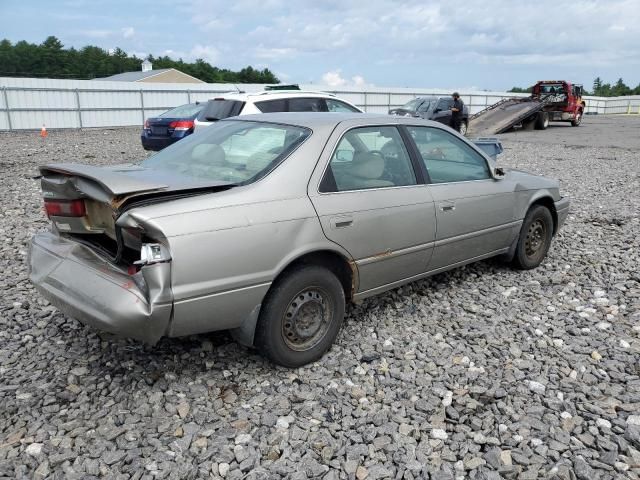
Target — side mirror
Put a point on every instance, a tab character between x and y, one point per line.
438	109
498	173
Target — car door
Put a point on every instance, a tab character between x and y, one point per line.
371	199
442	110
475	213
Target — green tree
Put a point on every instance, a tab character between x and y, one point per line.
597	85
51	59
521	90
620	89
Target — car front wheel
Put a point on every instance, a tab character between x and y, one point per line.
301	316
535	238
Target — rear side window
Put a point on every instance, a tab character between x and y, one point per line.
338	106
271	106
369	157
307	105
220	108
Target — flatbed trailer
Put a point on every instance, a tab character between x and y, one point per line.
504	115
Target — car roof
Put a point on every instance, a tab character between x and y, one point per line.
272	95
323	119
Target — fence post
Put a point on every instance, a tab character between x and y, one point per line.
142	105
188	96
6	105
628	107
365	101
78	108
389	102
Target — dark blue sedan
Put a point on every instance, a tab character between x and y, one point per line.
169	127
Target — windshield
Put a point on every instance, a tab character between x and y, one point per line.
189	110
551	88
220	108
412	104
239	152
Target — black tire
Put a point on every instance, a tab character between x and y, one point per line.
542	121
577	120
301	316
535	238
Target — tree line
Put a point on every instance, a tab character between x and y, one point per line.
600	89
51	60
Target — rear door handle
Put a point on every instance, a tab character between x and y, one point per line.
341	222
447	206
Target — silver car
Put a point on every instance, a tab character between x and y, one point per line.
266	225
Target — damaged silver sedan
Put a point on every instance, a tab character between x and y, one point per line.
268	225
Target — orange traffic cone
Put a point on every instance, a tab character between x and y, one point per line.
43	132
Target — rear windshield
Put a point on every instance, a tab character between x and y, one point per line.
238	152
189	110
220	108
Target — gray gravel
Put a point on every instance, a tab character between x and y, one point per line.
479	373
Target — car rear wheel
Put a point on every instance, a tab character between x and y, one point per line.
535	238
463	128
301	316
542	121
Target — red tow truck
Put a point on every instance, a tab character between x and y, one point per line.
550	100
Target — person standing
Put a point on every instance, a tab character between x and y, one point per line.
456	112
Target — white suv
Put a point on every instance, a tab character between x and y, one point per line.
232	104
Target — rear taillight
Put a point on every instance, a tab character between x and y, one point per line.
146	124
181	125
64	208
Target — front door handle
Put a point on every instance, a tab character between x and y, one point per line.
447	206
341	222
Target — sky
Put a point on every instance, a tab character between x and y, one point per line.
483	45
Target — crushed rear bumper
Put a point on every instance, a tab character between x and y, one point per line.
85	286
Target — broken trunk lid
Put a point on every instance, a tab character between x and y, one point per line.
117	180
119	183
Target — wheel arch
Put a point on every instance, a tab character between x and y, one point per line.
338	263
343	268
546	201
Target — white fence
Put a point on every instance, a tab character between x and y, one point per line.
28	103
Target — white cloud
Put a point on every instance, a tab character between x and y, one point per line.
334	79
207	52
388	31
128	32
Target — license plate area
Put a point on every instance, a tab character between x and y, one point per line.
158	130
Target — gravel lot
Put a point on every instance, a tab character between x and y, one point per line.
481	373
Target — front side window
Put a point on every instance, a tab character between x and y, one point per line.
444	104
447	158
369	157
237	152
338	106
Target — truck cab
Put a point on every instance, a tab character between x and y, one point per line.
563	100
